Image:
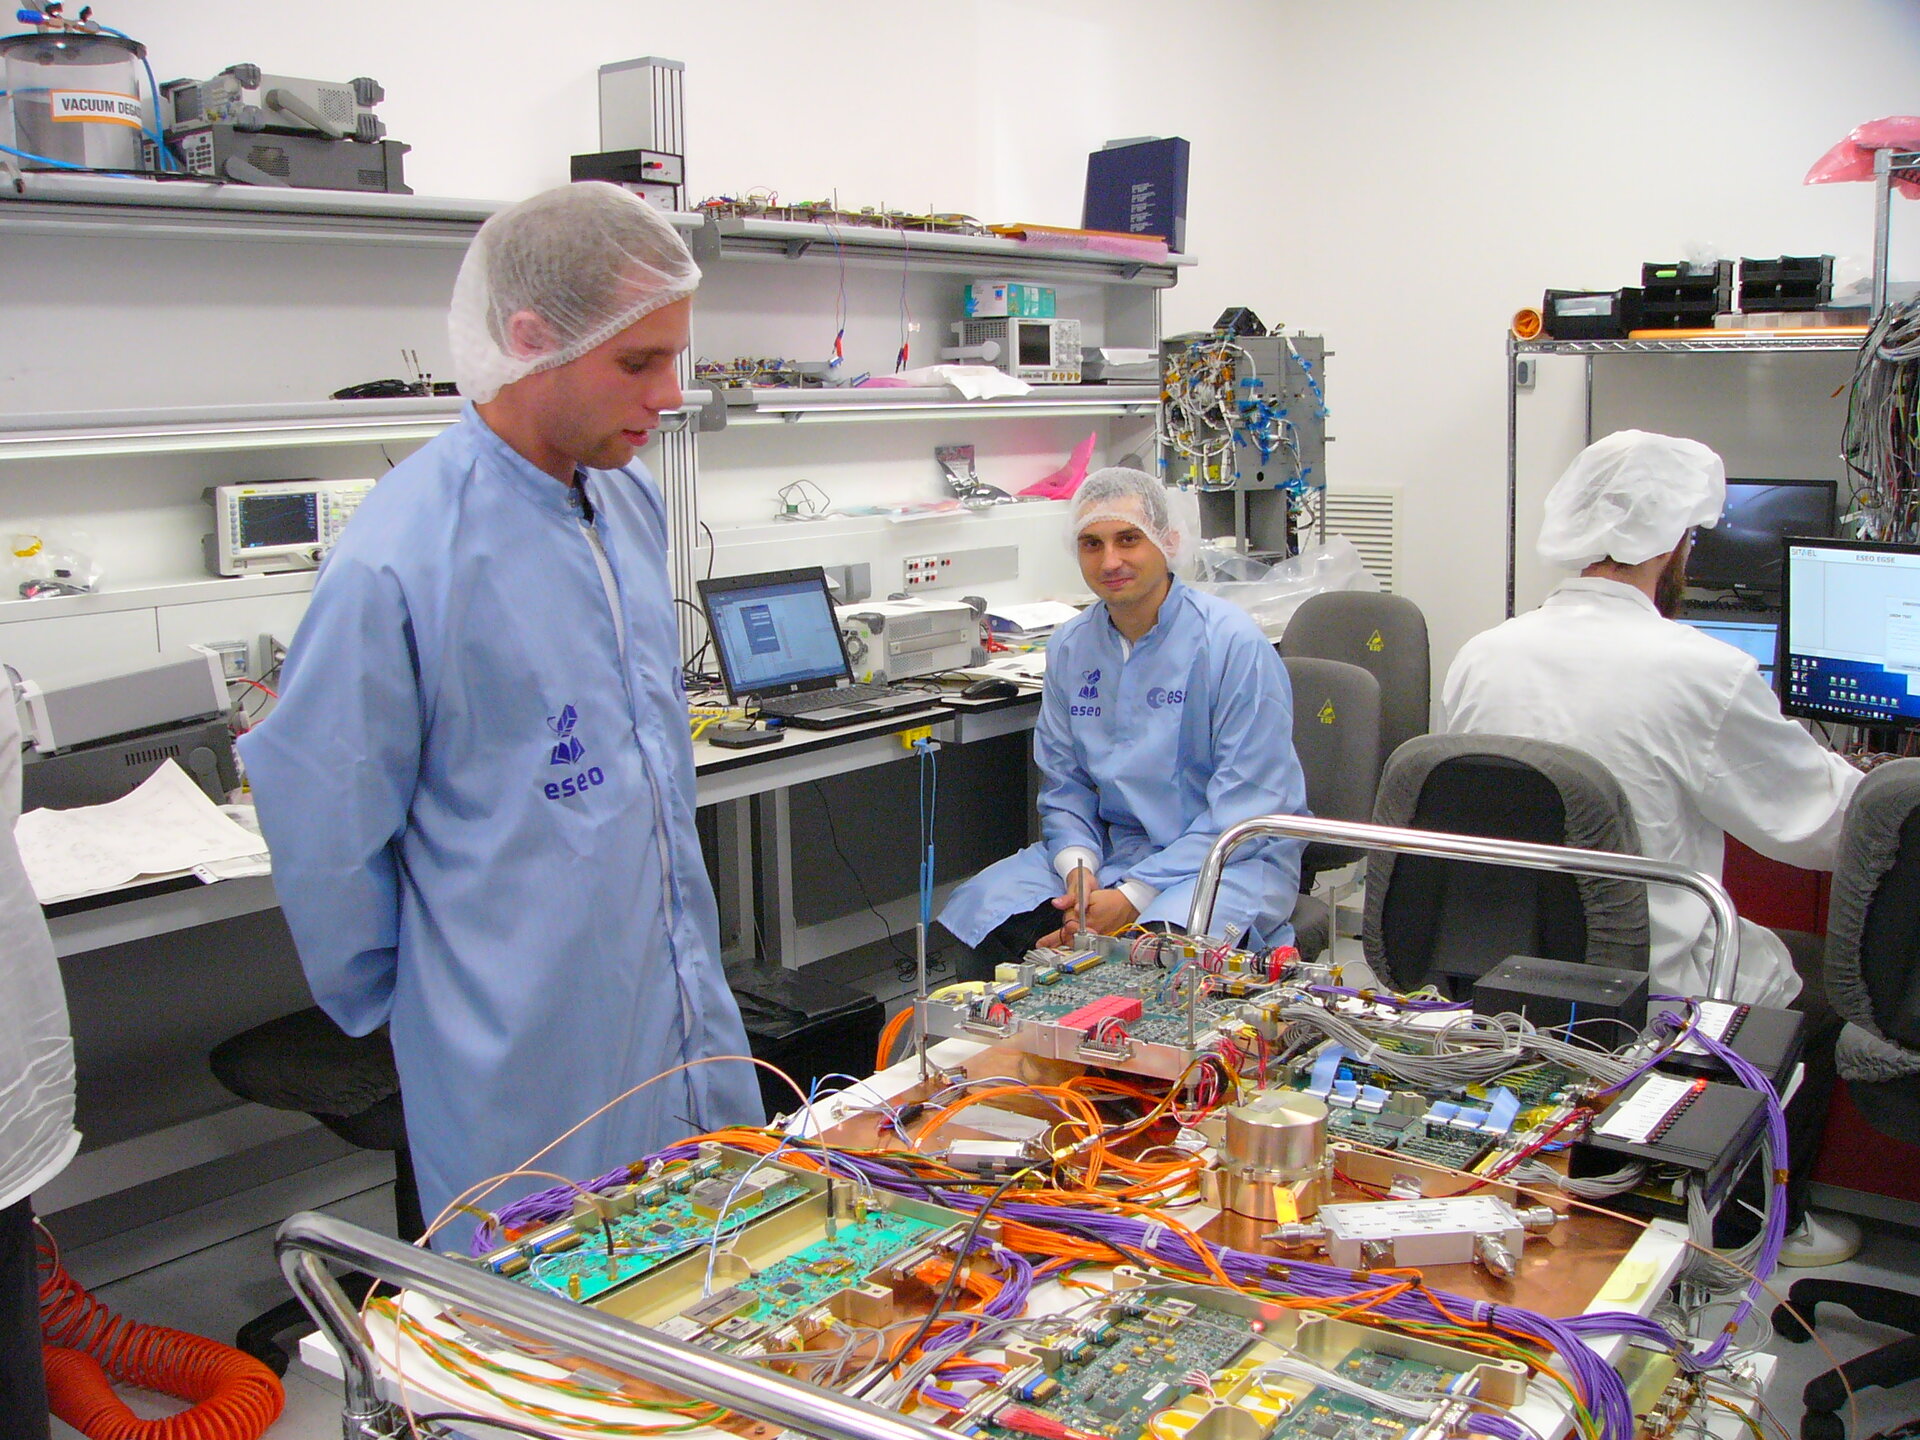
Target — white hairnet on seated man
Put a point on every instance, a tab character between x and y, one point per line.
1168	517
549	279
1630	497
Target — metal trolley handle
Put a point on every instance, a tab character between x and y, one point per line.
1723	972
308	1239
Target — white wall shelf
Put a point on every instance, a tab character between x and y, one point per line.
779	240
83	433
771	405
111	205
195	591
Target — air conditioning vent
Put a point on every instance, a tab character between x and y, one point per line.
1371	520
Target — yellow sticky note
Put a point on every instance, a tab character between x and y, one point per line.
1629	1278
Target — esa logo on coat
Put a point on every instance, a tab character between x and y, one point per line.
1159	697
568	751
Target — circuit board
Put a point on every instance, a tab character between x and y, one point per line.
1132	1366
811	1276
676	1213
1409	1135
1138	987
1327	1414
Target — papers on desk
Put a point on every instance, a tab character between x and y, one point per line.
1027	669
1039	618
166	828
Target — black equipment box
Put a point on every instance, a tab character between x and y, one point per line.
807	1027
1590	314
1557	993
1792	282
105	770
299	162
1681	296
1768	1039
653	175
1706	1129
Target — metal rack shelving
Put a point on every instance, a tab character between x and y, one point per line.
1732	343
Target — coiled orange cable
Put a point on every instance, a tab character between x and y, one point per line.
87	1347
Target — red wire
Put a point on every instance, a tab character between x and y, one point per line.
242	680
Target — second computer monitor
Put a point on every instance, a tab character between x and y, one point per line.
1850	632
1742	552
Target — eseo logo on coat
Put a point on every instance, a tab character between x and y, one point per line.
568	751
1089	690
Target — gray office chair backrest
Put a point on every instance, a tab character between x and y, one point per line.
1873	941
1336	734
1385	635
1432	921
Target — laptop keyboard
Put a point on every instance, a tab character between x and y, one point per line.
824	699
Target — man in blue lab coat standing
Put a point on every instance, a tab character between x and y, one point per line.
477	784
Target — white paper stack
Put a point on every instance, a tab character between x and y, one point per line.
167	827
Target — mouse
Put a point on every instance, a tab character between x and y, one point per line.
990	689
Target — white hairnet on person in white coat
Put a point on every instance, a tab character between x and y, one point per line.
584	261
1630	497
1167	516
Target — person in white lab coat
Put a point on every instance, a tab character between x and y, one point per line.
37	1137
1684	722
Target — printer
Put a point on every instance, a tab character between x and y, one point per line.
890	640
95	738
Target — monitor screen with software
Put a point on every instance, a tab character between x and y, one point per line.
776	633
1850	632
1742	552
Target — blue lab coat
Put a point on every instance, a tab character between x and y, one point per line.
1146	758
481	818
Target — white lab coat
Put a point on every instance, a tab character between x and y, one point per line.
1694	736
37	1137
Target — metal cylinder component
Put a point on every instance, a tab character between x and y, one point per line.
1538	1219
1275	1156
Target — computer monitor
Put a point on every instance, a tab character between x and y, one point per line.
1850	632
1742	552
1759	638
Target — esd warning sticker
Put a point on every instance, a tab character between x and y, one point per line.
98	107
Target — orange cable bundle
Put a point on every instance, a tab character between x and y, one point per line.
234	1396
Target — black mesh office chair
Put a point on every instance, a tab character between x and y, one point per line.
348	1083
1336	734
1385	635
1873	981
1447	922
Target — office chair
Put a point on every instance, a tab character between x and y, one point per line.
1873	942
1336	734
348	1083
1385	635
1447	922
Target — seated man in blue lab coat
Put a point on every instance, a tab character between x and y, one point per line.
477	784
1166	718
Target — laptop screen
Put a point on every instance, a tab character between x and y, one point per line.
776	633
1757	637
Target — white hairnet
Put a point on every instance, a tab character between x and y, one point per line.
588	259
1630	497
1168	517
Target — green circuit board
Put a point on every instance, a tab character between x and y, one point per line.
1327	1414
808	1277
1135	1365
1053	993
1437	1144
657	1232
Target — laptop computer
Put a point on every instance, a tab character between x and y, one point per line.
780	647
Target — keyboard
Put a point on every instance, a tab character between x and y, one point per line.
823	699
1733	605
